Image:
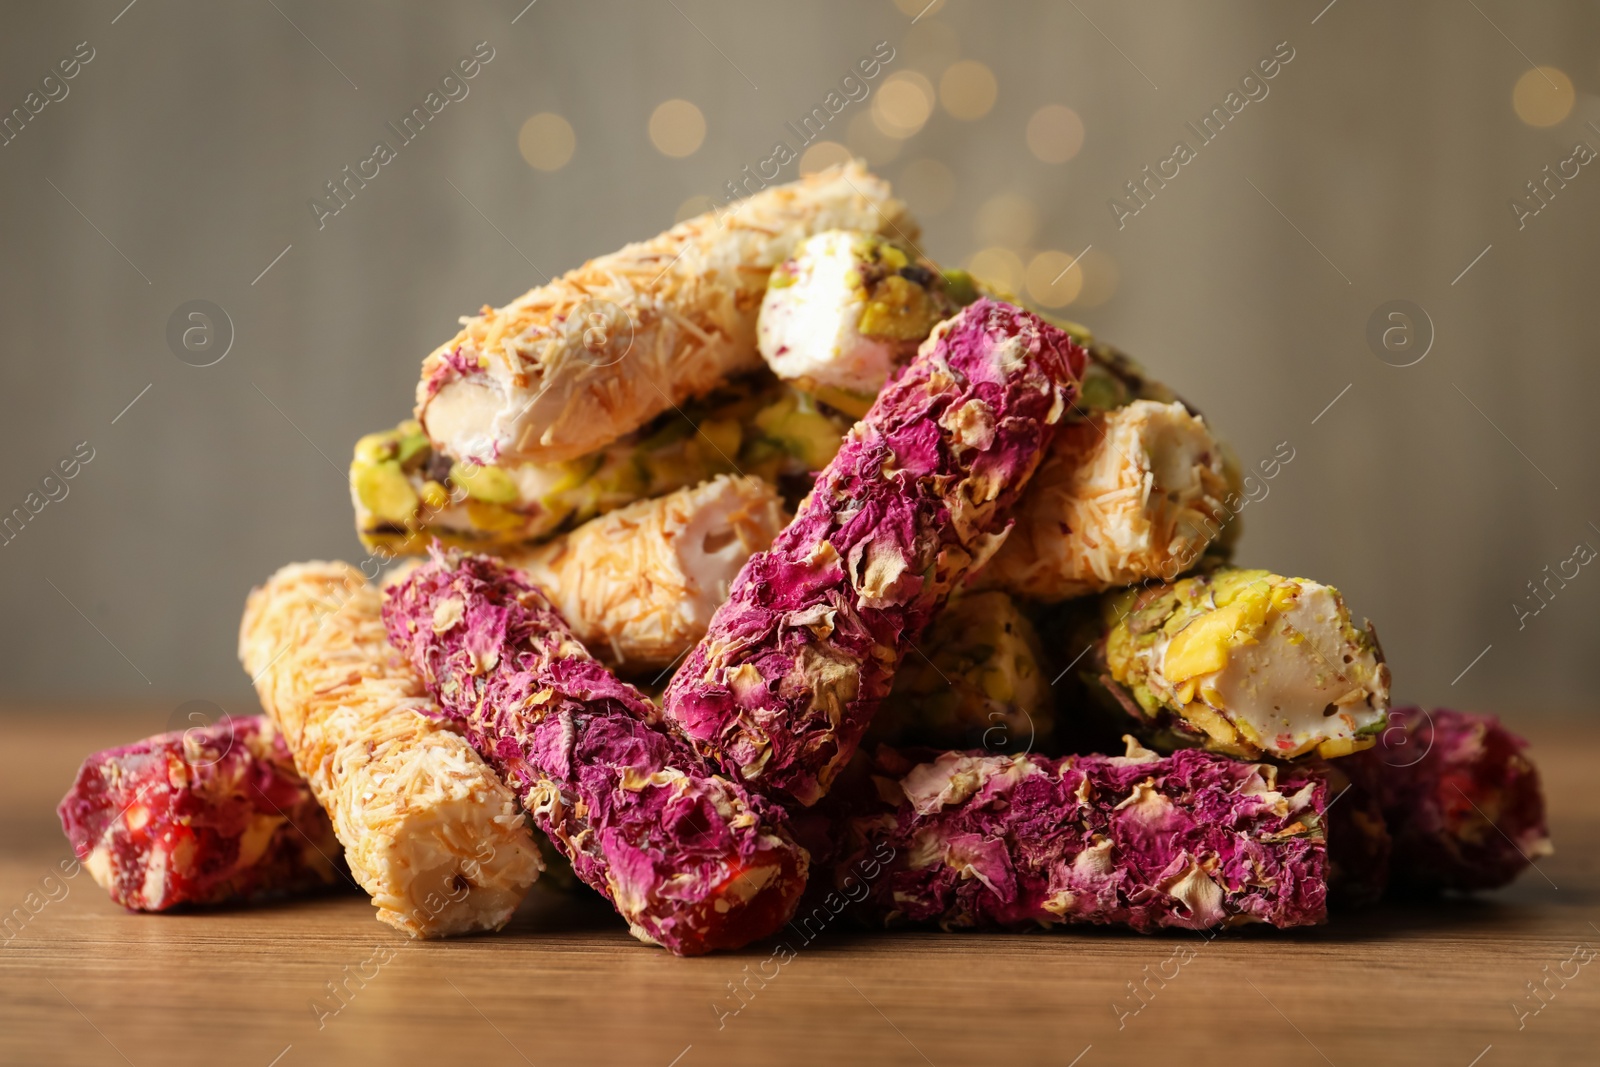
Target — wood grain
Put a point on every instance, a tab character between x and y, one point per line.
83	982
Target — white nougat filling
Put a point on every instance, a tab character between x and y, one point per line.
809	331
1299	682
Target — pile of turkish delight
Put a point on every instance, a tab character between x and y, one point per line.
765	563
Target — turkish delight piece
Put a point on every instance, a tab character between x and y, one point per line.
200	816
692	861
430	832
575	363
1191	840
639	585
1124	495
1461	798
797	660
1243	662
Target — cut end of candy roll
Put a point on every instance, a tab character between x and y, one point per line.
1247	663
200	816
1127	494
744	902
447	879
845	312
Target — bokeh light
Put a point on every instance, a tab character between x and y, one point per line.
546	141
1055	133
902	104
927	185
1000	268
677	128
869	142
967	90
1053	279
822	155
1543	96
1100	278
1007	219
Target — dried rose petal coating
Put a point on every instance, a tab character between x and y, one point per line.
1359	846
799	657
1462	799
201	816
693	861
1191	840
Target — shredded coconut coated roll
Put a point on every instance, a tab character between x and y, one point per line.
1191	841
1125	494
427	828
693	861
799	657
639	585
576	363
200	816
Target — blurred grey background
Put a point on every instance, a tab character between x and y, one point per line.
1380	165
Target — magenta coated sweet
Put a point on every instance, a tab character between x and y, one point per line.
797	660
1460	796
693	861
1192	840
200	816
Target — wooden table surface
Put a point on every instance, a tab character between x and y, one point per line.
84	982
